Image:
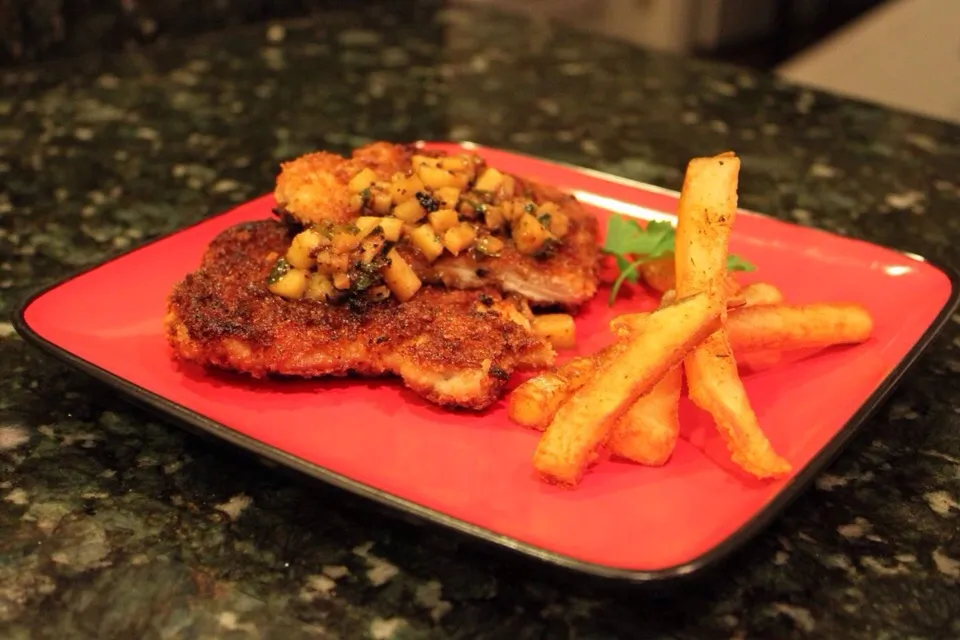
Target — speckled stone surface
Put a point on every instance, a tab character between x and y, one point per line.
32	30
116	525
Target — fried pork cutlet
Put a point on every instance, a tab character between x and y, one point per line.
454	348
458	222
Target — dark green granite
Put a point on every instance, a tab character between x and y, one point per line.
114	525
32	30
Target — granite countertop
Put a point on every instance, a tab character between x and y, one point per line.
116	525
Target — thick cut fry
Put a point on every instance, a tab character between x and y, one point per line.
787	327
715	387
708	205
760	293
534	403
582	424
647	433
705	214
659	275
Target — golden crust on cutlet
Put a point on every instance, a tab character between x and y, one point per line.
446	345
313	187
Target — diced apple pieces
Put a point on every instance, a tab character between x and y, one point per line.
459	238
490	180
436	178
291	284
300	253
362	180
427	241
319	287
405	188
443	219
528	234
409	211
400	277
392	228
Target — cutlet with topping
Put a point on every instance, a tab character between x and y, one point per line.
454	348
443	219
393	261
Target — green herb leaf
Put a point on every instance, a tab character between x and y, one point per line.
630	272
631	245
625	236
624	266
736	263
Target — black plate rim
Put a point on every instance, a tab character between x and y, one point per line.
759	521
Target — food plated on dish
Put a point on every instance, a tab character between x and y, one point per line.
650	505
449	273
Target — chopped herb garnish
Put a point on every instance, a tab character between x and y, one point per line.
427	201
279	270
544	220
366	196
485	300
530	207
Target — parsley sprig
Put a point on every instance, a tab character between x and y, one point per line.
631	245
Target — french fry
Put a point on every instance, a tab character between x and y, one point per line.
582	423
659	275
715	387
780	327
647	433
760	293
708	205
534	403
705	214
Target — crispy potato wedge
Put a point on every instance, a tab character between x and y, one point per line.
582	423
534	403
707	208
647	433
780	327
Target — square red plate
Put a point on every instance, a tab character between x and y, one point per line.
473	472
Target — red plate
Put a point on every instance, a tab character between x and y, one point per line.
473	472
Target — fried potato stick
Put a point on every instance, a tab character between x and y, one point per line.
707	208
647	433
780	327
534	403
760	293
582	423
660	276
